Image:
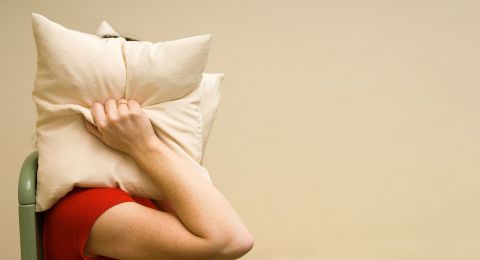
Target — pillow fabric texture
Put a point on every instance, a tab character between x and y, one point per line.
74	69
211	91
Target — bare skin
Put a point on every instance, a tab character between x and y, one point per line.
204	225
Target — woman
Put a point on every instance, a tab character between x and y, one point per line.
196	223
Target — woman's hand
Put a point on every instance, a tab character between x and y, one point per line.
123	125
201	227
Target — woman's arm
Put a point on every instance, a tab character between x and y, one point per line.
207	226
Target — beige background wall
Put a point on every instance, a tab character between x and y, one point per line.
347	129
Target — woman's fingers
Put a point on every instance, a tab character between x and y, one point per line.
124	127
98	114
111	109
133	105
122	108
91	128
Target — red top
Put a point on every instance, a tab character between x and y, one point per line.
68	223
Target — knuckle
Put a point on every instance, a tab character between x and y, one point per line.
123	116
108	101
95	104
115	120
136	113
132	102
101	125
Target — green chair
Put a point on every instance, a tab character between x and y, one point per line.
31	222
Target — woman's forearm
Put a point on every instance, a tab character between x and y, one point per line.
202	209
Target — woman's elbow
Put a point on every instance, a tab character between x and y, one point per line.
233	247
236	247
242	246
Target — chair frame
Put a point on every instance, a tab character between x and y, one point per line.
30	222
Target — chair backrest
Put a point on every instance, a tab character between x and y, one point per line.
31	222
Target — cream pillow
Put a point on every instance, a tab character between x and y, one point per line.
211	91
74	69
211	98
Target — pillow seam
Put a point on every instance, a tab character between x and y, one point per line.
124	56
199	112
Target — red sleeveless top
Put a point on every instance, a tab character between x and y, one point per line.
68	223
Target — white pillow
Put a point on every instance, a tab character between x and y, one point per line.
211	98
211	90
74	69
